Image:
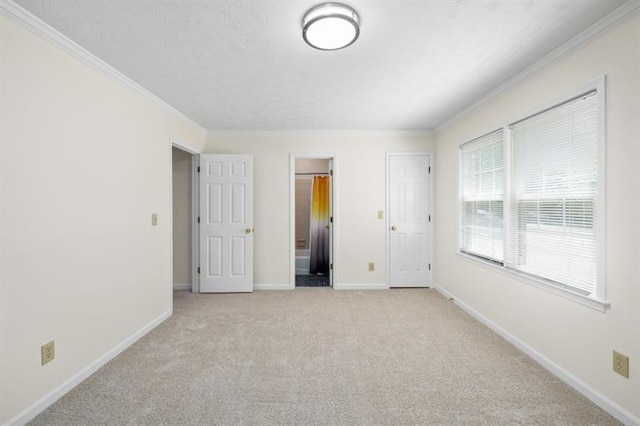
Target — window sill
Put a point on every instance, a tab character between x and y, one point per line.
587	301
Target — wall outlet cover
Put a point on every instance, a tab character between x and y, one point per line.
48	352
621	364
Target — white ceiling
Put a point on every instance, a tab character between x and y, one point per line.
242	64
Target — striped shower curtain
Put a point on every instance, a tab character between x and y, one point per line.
319	227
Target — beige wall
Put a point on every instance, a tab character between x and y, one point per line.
85	161
359	191
182	232
578	339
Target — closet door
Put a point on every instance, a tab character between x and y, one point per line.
409	220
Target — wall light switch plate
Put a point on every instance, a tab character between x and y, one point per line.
372	266
380	214
154	219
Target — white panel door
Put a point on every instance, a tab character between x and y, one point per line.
409	220
226	223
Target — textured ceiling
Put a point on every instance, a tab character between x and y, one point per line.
242	64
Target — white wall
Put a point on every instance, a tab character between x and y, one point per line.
182	232
360	193
84	163
576	338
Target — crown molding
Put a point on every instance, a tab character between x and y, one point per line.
37	26
23	17
597	30
315	133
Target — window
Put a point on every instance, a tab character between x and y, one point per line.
529	196
482	193
552	201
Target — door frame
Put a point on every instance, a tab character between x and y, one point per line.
195	208
388	205
292	213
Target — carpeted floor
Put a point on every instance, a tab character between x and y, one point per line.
313	281
320	356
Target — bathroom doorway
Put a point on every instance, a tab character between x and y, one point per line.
313	221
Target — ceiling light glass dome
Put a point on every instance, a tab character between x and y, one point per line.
330	26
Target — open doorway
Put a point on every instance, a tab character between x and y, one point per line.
313	221
184	248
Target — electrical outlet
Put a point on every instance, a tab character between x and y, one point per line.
48	352
621	364
154	219
372	266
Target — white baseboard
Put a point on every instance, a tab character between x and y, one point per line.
182	286
271	287
39	406
596	397
360	286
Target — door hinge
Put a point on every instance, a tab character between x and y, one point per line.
198	169
198	269
330	172
429	169
429	218
331	266
331	219
429	266
198	219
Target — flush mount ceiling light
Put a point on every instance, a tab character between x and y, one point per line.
330	26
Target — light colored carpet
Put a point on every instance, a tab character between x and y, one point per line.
320	356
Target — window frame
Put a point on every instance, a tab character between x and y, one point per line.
597	299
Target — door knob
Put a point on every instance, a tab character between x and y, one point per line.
247	231
394	228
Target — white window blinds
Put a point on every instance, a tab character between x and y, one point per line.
552	198
482	193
